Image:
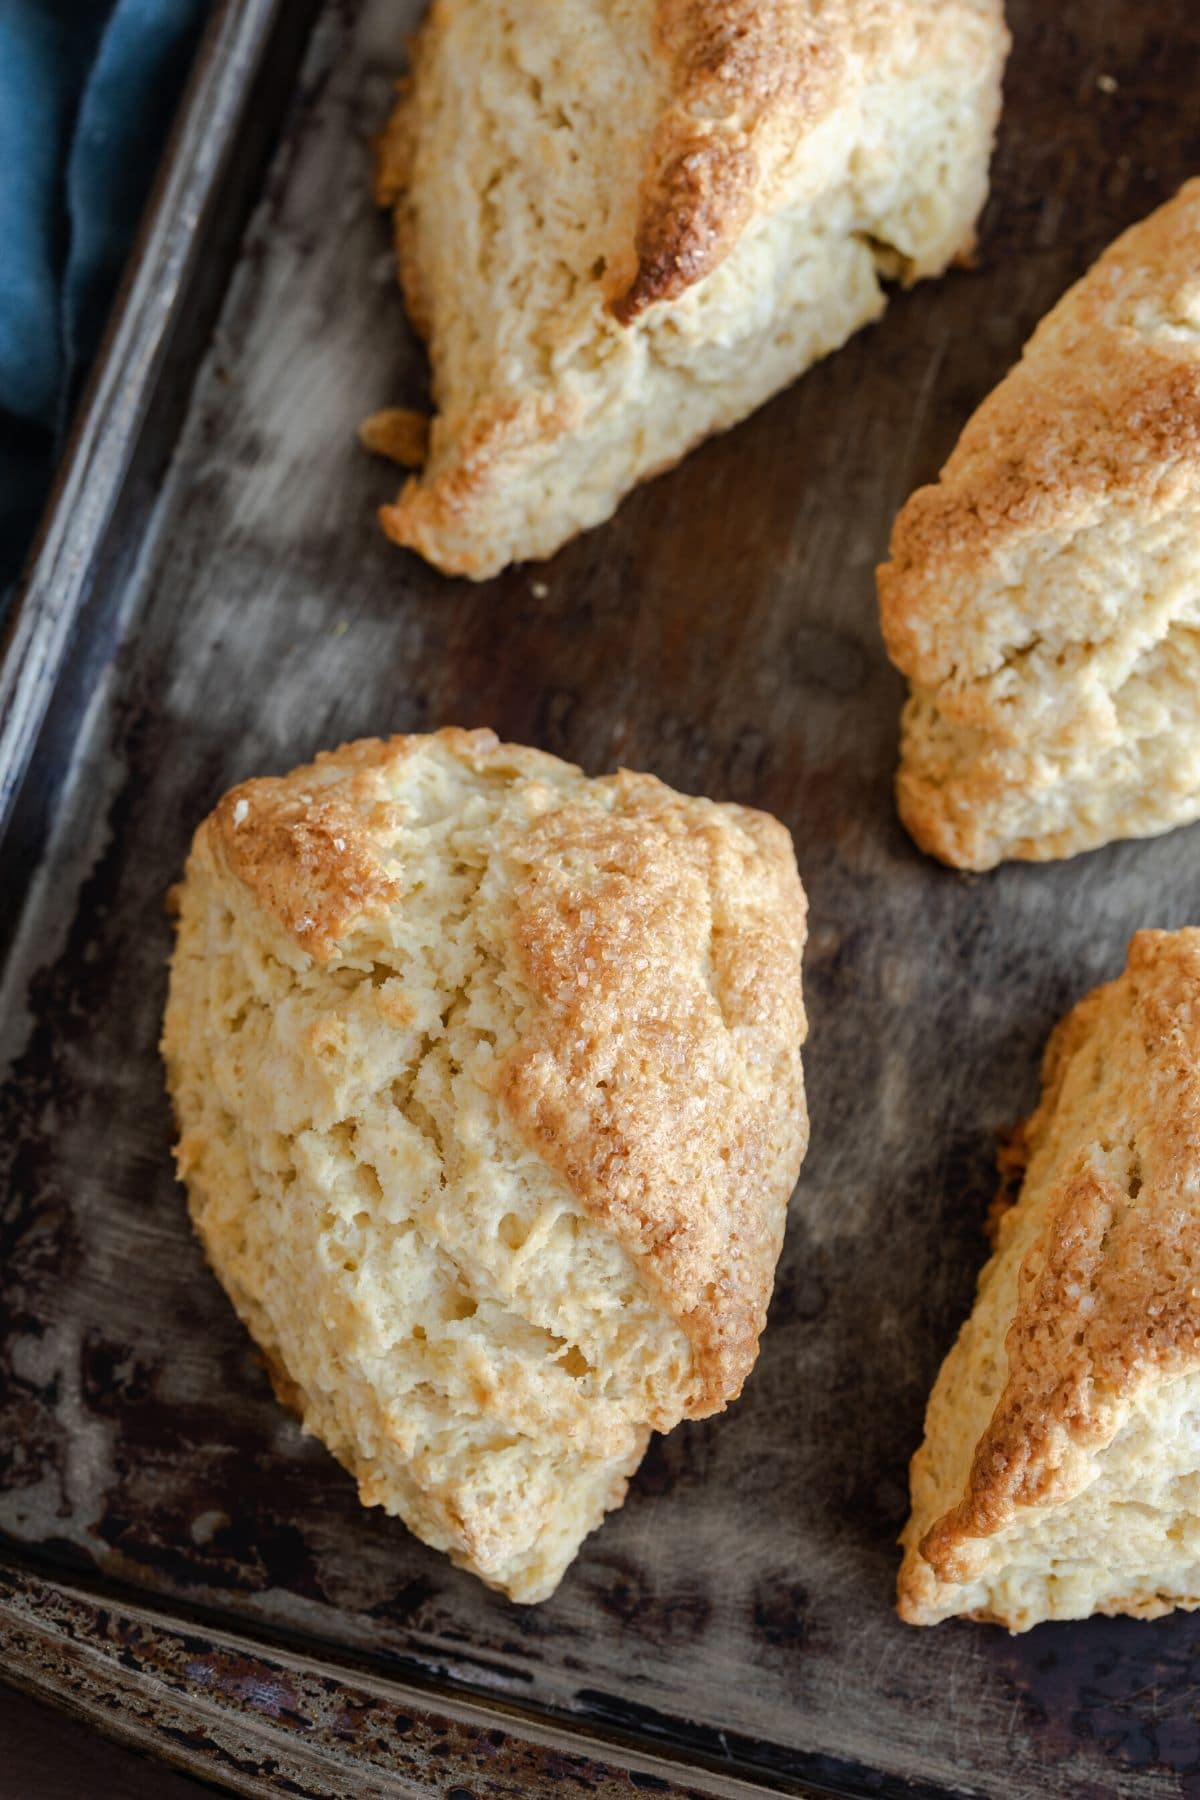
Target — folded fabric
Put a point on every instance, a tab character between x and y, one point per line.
87	92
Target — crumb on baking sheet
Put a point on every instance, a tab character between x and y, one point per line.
398	433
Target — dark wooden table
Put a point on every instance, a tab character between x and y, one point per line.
44	1753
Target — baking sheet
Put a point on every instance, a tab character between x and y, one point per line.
721	631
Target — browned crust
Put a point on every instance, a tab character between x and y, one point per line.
304	843
622	1081
304	859
1012	1159
1141	1604
735	88
288	1392
498	435
735	67
622	1078
1097	409
732	68
1109	1292
392	151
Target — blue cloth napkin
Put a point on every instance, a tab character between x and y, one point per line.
87	92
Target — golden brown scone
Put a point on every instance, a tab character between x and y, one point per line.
1044	598
490	1103
621	229
1060	1473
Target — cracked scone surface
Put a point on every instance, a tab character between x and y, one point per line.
488	1085
1044	597
1060	1472
622	224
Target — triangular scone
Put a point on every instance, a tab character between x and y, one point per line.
488	1084
1044	598
622	227
1060	1473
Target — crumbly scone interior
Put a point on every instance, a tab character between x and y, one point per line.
512	248
1060	1472
1085	690
495	1354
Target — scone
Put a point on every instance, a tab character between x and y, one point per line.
1044	597
488	1086
622	228
1060	1473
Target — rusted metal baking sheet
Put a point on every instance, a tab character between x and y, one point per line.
213	600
